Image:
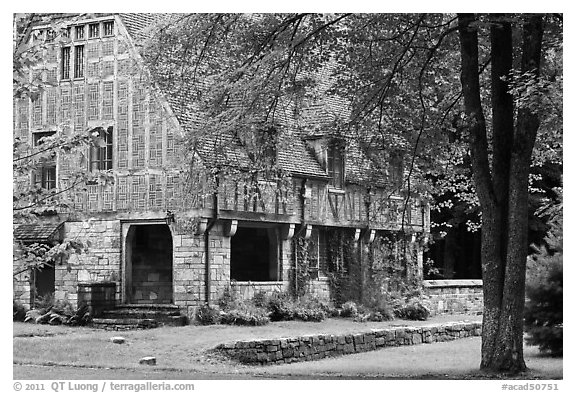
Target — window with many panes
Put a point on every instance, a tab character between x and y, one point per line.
66	62
45	174
396	169
101	157
317	253
335	165
79	61
108	28
79	32
94	30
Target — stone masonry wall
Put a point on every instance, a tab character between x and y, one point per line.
454	296
21	288
190	267
319	288
313	347
100	264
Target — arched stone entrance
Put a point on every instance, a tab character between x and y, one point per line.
149	265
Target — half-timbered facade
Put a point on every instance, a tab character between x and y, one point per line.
153	240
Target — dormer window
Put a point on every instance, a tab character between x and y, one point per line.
396	169
94	30
335	165
79	30
108	28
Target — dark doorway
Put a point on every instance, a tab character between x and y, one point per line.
43	282
254	255
149	253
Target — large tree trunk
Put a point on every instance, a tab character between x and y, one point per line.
503	192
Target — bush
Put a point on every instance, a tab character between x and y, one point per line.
543	317
252	316
260	299
229	300
413	310
349	309
309	314
18	311
44	303
208	314
281	307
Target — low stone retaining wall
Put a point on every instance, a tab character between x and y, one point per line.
313	347
454	296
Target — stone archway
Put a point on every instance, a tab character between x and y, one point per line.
149	264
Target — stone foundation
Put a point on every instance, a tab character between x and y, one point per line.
454	296
98	297
313	347
100	264
247	289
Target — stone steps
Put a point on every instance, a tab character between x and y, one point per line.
140	316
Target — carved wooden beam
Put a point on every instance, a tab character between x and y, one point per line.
308	231
369	235
230	227
357	232
201	227
288	231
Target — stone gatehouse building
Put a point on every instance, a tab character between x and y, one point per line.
154	241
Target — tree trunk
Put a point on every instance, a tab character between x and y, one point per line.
503	193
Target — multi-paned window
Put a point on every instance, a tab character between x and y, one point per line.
66	62
335	165
79	32
79	61
317	253
94	30
108	28
45	174
101	157
396	169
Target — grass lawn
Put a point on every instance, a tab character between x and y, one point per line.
184	348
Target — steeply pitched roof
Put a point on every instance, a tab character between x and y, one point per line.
293	156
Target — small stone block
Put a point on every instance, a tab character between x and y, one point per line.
148	360
118	340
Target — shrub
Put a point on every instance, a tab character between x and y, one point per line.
281	307
81	317
251	316
349	309
44	303
208	314
309	314
381	306
543	317
229	300
18	311
412	310
260	299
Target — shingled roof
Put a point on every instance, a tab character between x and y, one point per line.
37	232
293	156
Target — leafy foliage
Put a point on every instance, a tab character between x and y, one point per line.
251	316
543	313
48	310
412	310
208	314
18	311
